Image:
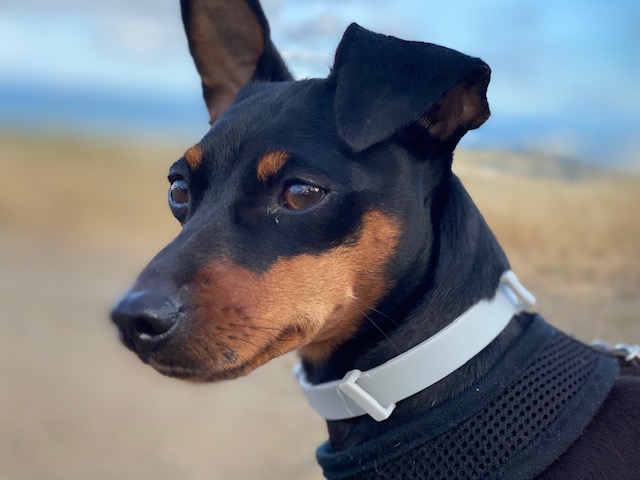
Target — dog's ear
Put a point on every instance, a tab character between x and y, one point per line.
230	43
384	84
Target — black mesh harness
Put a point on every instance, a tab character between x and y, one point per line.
512	424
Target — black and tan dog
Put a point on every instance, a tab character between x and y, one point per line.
322	215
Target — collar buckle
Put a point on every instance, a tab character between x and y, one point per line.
349	387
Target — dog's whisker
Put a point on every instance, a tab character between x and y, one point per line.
233	337
367	307
222	309
227	309
255	327
384	315
377	327
235	330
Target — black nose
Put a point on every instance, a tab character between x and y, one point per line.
145	318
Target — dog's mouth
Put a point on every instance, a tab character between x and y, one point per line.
127	342
219	359
182	373
230	319
198	375
144	354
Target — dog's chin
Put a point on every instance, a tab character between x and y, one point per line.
201	375
216	361
181	373
195	375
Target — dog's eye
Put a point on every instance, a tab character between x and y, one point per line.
300	196
179	192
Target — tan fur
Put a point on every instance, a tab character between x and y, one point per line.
193	157
270	164
311	302
462	106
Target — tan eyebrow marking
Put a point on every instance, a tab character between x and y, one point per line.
193	157
270	164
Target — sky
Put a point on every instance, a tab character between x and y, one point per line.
566	75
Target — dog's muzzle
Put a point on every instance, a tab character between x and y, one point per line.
144	319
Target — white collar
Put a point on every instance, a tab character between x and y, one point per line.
376	391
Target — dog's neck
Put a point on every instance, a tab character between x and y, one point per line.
463	268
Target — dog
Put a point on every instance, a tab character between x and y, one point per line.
322	216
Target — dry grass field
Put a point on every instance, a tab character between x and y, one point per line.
79	219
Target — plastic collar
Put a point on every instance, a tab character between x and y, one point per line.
377	391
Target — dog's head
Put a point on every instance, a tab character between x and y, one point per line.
307	202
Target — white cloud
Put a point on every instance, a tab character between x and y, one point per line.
87	50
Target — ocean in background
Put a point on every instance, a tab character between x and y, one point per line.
565	75
31	109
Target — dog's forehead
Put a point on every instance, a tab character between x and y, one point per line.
267	117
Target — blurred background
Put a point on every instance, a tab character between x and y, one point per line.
97	99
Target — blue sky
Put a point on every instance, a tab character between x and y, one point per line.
566	75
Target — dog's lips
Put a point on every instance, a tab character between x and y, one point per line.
143	355
221	365
175	371
127	342
199	375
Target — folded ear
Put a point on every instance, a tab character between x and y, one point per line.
230	43
384	84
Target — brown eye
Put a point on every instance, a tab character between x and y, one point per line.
300	196
179	192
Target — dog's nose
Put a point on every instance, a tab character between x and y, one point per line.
144	318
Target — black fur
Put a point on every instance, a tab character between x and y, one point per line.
358	135
385	84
